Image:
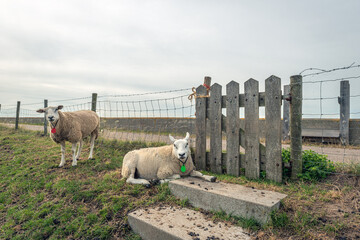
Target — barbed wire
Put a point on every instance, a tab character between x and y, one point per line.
322	71
143	94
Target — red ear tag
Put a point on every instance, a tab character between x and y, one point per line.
53	130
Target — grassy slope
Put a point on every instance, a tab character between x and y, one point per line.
38	200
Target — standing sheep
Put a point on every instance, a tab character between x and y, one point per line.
161	163
72	127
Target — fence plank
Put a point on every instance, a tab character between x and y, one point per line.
286	114
200	128
295	125
273	128
252	153
215	131
232	129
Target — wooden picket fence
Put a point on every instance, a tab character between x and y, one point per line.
257	157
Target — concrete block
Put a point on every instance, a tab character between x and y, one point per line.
234	199
176	223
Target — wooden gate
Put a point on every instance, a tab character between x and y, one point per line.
256	158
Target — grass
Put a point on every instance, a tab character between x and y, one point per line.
38	200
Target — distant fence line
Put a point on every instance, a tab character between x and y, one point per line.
181	125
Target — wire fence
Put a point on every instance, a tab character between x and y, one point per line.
321	100
146	117
151	116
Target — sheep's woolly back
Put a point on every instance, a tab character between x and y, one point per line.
74	126
155	163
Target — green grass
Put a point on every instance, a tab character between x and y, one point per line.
38	200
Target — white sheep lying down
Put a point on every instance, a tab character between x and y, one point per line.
161	163
72	127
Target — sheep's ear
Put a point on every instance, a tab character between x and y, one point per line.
41	110
60	107
187	136
172	138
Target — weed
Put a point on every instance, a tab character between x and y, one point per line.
315	166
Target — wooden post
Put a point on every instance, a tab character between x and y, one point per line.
232	129
344	101
207	84
273	128
45	121
252	152
286	114
200	128
93	102
17	115
215	131
295	125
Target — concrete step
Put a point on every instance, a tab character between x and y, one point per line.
176	223
234	199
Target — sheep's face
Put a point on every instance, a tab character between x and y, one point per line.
181	149
51	113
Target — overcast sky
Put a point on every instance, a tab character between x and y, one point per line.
66	49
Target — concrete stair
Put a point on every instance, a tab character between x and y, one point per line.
234	199
182	223
176	223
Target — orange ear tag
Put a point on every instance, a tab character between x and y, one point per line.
53	130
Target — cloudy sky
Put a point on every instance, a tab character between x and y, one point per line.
65	49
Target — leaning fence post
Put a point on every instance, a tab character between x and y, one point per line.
45	122
295	125
17	115
93	102
286	113
344	101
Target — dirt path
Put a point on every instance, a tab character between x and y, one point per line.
339	155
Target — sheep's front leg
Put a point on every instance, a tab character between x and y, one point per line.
62	163
79	150
92	142
131	179
73	148
202	176
168	179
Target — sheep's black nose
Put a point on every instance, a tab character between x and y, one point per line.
51	119
181	154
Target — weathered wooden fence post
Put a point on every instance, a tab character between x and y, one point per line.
200	128
93	102
45	121
344	101
286	114
295	125
252	152
17	115
215	130
273	128
232	129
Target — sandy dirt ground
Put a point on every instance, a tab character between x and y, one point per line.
336	154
